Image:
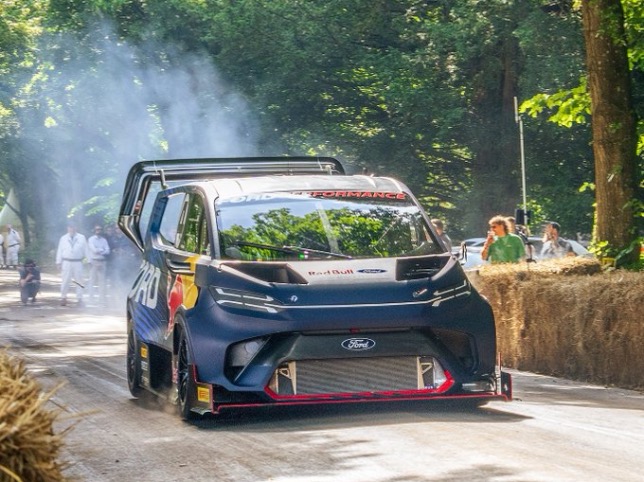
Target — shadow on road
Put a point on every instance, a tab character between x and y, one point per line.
323	417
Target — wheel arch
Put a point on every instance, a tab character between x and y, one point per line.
180	325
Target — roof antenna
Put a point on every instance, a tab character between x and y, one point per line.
164	184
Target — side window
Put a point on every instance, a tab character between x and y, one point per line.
194	229
170	220
148	203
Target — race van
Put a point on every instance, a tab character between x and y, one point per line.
283	280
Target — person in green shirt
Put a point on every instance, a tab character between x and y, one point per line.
501	246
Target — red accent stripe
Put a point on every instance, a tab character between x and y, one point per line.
489	396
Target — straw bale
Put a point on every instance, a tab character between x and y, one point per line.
569	318
29	448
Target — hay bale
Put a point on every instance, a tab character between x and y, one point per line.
560	266
29	448
567	318
589	328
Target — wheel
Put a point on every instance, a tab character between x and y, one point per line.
186	388
133	365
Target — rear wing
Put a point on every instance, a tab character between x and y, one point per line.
144	174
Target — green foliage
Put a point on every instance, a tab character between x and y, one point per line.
104	208
421	91
570	106
614	257
20	23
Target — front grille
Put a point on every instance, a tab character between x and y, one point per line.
356	375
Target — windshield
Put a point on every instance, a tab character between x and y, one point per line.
322	225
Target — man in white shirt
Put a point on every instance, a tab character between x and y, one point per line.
554	246
12	240
98	249
72	249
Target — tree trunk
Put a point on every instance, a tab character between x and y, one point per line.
496	165
613	125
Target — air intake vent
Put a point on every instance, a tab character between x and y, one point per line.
357	375
269	272
415	268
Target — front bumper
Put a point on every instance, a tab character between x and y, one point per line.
355	380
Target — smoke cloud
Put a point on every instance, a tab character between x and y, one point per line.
105	104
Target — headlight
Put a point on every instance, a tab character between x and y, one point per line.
247	300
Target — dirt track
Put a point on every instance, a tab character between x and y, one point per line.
555	430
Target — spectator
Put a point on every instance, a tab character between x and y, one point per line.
553	245
29	281
13	247
1	251
72	249
98	250
438	224
514	229
501	246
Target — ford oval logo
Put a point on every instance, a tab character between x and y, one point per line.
358	344
372	271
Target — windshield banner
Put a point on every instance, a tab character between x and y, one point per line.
357	194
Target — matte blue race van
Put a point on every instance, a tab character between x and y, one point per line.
286	281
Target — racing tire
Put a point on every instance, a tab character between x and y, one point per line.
133	365
186	388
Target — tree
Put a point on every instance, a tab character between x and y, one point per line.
424	90
419	90
20	26
613	127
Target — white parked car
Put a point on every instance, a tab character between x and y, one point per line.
469	252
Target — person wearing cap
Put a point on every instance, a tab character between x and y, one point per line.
29	281
72	249
98	250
